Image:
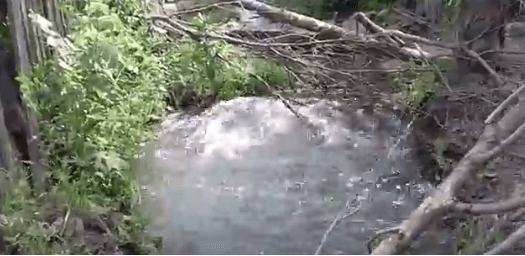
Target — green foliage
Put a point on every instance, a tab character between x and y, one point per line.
375	5
93	114
451	12
95	111
418	87
470	238
217	69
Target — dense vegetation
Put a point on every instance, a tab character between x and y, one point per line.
97	110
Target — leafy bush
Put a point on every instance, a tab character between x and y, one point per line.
217	69
417	88
95	112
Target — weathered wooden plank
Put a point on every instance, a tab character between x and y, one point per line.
28	51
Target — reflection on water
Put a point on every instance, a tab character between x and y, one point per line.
249	177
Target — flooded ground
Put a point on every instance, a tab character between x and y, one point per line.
250	177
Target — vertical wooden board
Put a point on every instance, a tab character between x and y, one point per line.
6	154
18	27
25	47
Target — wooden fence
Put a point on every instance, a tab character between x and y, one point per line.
29	43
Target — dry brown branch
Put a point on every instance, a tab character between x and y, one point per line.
510	100
314	25
374	28
511	241
229	39
512	126
340	216
500	207
491	71
203	8
292	18
437	205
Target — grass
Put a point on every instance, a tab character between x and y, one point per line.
418	88
95	113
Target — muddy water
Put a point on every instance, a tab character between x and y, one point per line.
249	177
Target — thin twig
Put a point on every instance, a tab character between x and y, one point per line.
203	8
238	41
509	140
493	208
491	71
512	98
511	241
66	219
341	216
387	230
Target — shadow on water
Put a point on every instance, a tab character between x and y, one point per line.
248	177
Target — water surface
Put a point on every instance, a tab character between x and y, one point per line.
250	177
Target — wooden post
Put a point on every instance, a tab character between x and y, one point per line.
21	33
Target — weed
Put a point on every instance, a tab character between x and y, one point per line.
217	70
418	88
95	113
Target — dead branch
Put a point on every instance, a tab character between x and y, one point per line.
203	8
229	39
374	28
393	44
437	205
510	100
511	241
292	18
500	207
419	39
411	17
340	216
491	71
331	31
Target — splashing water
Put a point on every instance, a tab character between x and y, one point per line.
249	177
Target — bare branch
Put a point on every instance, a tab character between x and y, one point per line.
203	8
486	66
511	241
510	100
374	28
311	24
341	216
178	26
438	204
500	207
292	18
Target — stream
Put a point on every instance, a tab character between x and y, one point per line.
248	176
